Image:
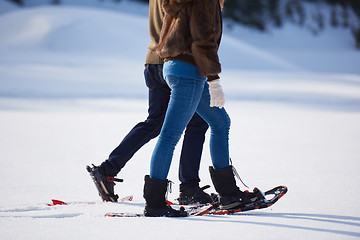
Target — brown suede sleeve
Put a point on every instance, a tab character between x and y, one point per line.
203	25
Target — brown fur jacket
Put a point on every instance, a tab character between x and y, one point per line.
191	32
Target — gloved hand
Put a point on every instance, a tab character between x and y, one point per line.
217	98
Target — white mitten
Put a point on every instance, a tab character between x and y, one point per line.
217	98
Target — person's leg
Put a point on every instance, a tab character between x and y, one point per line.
190	191
185	96
143	132
219	122
222	175
191	153
184	99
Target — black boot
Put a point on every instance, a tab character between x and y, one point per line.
104	183
156	206
230	195
195	195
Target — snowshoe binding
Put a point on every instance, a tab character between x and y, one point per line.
195	196
104	184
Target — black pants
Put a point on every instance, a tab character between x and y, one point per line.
143	132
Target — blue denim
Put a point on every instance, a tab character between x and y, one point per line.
190	94
143	132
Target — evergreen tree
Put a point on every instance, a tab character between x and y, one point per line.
249	13
261	14
274	14
294	12
20	2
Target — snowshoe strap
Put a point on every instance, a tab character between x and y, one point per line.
205	187
112	179
237	174
169	188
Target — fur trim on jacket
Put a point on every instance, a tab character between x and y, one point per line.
191	32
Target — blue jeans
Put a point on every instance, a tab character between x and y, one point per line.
190	94
143	132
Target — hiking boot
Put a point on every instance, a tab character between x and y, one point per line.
165	211
194	195
156	205
230	195
104	184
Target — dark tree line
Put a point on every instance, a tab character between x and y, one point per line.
266	14
17	2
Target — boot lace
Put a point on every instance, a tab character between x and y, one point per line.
169	188
237	174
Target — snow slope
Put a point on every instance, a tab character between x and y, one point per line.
44	42
71	87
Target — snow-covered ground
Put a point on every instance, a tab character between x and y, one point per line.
71	87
